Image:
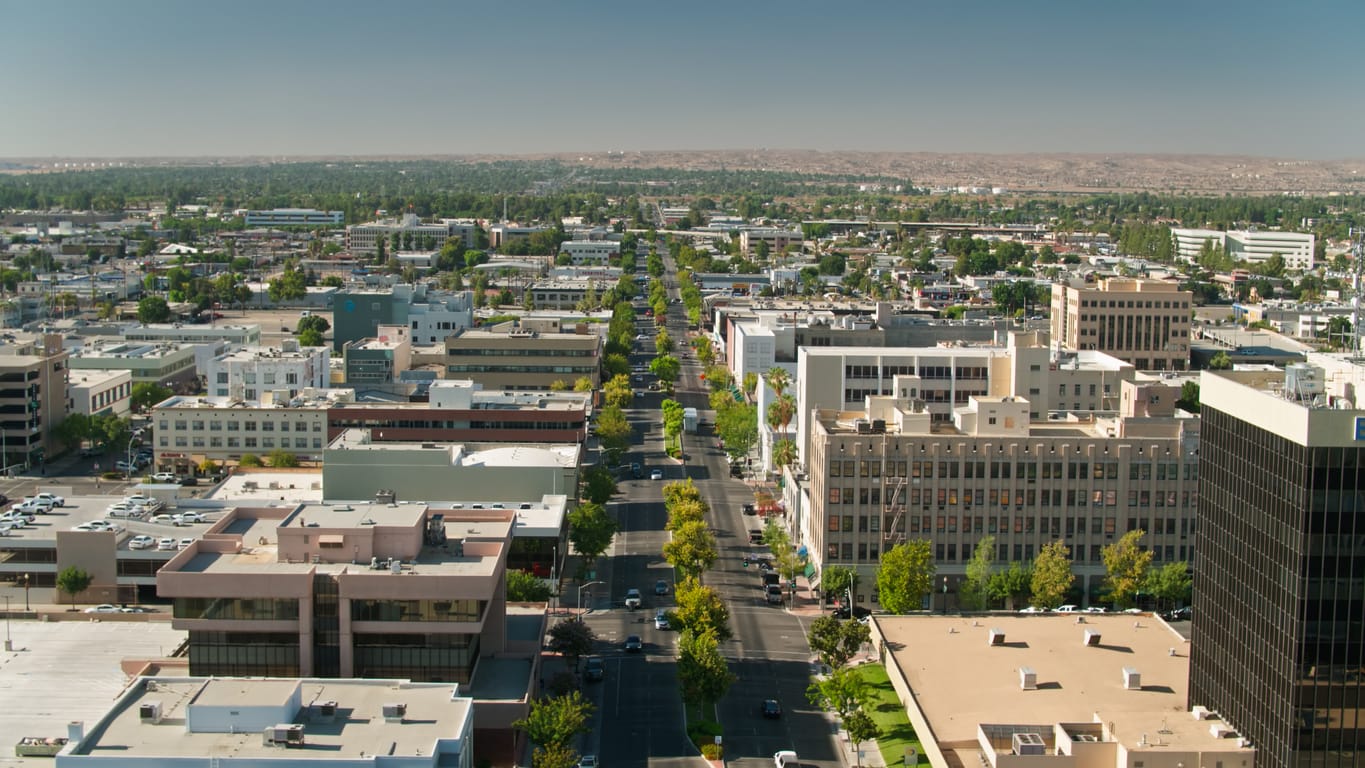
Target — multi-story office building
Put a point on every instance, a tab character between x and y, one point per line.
354	590
149	362
378	361
99	392
1296	248
246	373
499	235
1278	640
33	399
1144	322
521	359
192	429
777	240
890	471
294	217
412	234
564	294
431	315
461	411
579	252
242	335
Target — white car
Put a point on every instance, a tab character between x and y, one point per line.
97	525
124	509
183	543
18	514
1095	609
657	474
1066	608
150	503
17	521
105	608
164	477
166	544
162	519
141	542
188	518
57	501
35	504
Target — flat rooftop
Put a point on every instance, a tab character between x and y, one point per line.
359	728
959	680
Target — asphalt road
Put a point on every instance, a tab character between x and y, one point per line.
639	720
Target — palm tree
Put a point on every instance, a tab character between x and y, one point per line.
780	412
778	380
784	453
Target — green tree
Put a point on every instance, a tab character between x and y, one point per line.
1189	396
73	581
73	429
613	432
523	587
598	484
282	459
835	641
1125	567
860	728
703	675
905	576
583	384
1170	584
555	756
784	453
571	638
249	460
557	721
667	368
1220	362
618	392
559	385
737	425
700	608
313	322
1012	585
311	337
692	550
153	309
146	394
842	692
1052	576
975	591
591	530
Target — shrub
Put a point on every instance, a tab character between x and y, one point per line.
711	751
704	732
250	460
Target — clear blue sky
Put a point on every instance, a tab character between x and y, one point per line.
287	77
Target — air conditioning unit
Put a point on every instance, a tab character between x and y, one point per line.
1092	638
1132	679
327	711
283	735
149	712
996	637
1029	744
1028	679
394	713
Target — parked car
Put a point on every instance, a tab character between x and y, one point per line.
1179	614
661	619
164	477
57	501
771	709
188	518
189	480
124	466
632	598
633	644
1095	609
141	542
185	542
104	608
152	505
18	514
35	505
14	523
749	509
1066	608
657	474
1033	609
166	544
124	509
162	519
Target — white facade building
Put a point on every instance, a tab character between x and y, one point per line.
246	373
590	251
1255	246
94	392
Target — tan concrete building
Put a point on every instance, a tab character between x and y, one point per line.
1143	322
191	429
892	472
523	359
33	399
1052	691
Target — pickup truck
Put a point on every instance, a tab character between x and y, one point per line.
35	504
632	599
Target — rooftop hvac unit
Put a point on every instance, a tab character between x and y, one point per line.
1028	679
996	637
457	547
394	713
327	711
879	426
149	712
283	735
1200	712
863	426
1092	637
1029	744
1132	679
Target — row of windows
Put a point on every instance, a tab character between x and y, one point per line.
1003	524
1030	497
1133	304
924	371
269	377
236	609
493	352
580	370
215	425
1031	470
417	610
217	441
961	396
950	552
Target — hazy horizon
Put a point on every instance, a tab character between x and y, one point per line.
154	78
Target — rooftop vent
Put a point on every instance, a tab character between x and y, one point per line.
326	712
283	735
1028	679
1092	637
996	637
1132	679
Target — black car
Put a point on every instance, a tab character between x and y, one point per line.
633	644
736	470
858	612
593	669
771	709
749	509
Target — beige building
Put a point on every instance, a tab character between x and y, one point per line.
891	472
191	429
1053	691
33	399
98	392
1143	322
522	359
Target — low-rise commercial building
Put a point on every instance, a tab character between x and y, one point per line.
267	722
776	240
412	234
149	362
294	217
240	335
246	373
189	430
579	252
33	399
95	393
1255	246
564	294
462	411
380	360
520	359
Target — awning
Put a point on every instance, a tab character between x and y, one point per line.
811	575
331	539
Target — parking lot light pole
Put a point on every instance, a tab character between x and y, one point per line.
9	644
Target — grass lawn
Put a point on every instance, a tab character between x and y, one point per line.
887	712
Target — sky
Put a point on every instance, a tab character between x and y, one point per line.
135	78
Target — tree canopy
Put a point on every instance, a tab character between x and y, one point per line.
905	576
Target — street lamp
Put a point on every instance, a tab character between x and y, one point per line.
9	645
580	595
945	595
